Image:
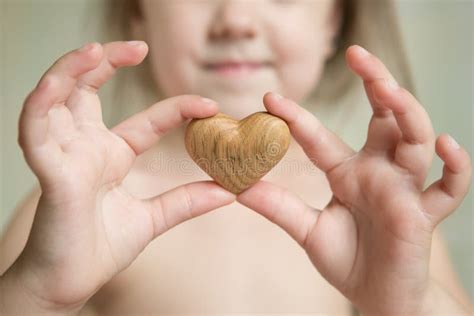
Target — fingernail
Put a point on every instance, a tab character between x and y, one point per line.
208	101
453	142
277	96
135	43
363	51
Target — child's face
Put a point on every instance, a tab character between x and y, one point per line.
234	51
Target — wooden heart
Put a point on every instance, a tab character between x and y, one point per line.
236	154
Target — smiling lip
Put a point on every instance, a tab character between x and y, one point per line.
235	68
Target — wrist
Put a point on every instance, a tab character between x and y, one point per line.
16	298
434	301
439	301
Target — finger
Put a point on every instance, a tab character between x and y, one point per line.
322	146
281	207
383	133
366	65
329	237
185	202
414	151
54	88
145	128
445	195
84	102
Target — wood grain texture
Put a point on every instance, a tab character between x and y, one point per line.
236	154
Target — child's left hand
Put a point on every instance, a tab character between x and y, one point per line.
373	240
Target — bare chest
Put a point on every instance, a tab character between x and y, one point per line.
231	260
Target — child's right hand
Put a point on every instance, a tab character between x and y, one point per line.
87	227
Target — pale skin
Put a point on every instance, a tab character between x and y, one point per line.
83	233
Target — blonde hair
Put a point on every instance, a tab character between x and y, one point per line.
371	24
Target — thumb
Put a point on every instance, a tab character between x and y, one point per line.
281	207
185	202
329	237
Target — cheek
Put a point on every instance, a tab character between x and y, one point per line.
172	63
168	66
301	54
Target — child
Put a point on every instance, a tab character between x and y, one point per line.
367	232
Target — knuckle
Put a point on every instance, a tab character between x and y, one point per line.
156	128
27	102
87	51
21	138
112	65
160	223
421	138
47	82
90	87
77	58
188	200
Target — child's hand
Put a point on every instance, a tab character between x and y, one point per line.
372	241
87	227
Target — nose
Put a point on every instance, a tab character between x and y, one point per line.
234	19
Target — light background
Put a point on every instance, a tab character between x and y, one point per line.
439	41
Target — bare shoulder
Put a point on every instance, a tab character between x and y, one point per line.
15	235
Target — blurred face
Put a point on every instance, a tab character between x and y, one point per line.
234	51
